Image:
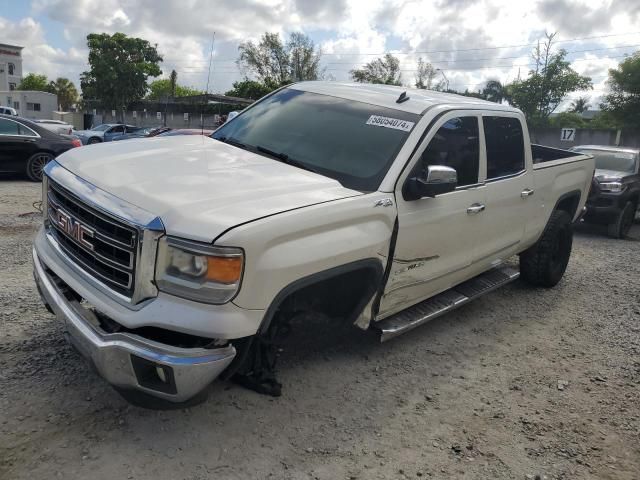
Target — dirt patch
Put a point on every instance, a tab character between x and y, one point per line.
518	384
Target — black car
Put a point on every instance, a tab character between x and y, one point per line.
615	191
26	147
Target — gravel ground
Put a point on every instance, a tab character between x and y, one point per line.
522	383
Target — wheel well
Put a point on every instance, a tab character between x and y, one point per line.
339	292
569	203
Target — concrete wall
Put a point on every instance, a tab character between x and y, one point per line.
552	137
48	103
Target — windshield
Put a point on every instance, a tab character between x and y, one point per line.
351	142
101	128
624	162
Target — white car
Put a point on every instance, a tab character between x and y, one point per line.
8	111
56	126
373	204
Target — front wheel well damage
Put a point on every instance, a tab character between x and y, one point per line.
342	292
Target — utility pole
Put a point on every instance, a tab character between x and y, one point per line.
444	76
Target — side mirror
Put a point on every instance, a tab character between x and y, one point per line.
437	180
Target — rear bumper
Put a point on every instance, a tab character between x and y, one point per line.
128	361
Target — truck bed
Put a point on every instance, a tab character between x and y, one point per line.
541	153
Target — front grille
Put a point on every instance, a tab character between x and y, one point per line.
107	253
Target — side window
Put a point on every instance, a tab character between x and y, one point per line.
505	146
7	127
118	129
457	145
26	131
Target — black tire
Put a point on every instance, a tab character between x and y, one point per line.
622	224
544	264
94	140
36	164
144	400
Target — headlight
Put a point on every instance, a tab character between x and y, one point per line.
611	187
198	271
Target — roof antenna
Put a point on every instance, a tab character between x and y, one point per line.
206	92
402	98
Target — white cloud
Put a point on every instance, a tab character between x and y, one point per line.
455	35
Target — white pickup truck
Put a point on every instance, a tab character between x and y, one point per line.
175	260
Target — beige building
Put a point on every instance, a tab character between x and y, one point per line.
10	67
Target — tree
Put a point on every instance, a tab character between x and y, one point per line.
164	89
275	63
66	92
173	79
119	69
495	91
548	84
425	75
568	120
579	105
623	101
249	89
604	120
36	82
384	70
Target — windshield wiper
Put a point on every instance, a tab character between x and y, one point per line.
232	141
285	158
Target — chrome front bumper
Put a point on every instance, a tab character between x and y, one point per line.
129	361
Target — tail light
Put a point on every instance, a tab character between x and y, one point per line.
76	143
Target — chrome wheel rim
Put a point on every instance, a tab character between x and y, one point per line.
38	164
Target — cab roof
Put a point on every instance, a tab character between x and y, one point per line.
387	95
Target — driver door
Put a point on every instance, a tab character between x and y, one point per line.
436	236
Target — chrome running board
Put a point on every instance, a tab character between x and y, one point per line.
444	302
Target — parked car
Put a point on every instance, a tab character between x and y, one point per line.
186	131
377	205
26	147
104	133
56	126
143	132
8	111
615	194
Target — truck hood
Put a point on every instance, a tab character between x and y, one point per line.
198	186
603	175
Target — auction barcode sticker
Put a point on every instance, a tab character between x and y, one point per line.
388	122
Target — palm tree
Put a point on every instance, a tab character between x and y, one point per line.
494	91
66	92
579	105
173	79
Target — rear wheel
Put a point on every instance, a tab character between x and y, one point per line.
36	164
622	224
544	263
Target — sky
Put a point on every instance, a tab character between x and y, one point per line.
471	41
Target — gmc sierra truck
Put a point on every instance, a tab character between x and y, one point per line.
175	260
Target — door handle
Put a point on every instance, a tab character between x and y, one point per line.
29	140
475	208
527	192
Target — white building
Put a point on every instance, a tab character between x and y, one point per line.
29	103
10	67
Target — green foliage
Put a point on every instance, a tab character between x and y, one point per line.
66	91
249	89
568	120
275	63
623	102
119	69
384	70
425	74
547	85
579	105
36	82
164	88
495	91
604	119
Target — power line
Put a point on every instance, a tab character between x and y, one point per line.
442	51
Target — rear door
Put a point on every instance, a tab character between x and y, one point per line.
509	187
